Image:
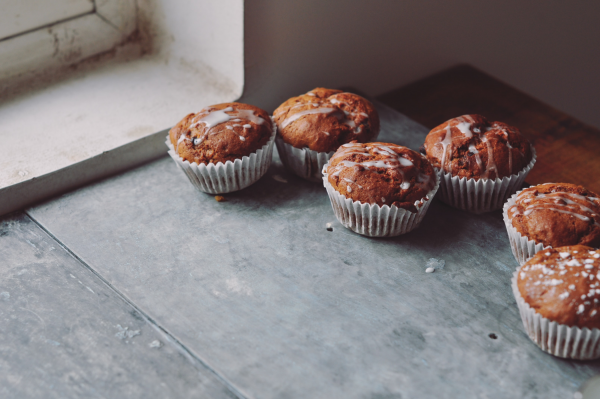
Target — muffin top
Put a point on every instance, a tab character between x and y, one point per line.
382	174
470	146
221	133
324	119
557	214
563	285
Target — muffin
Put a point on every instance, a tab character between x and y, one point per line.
379	189
558	295
312	126
552	215
481	163
224	147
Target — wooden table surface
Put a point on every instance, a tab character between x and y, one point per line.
568	150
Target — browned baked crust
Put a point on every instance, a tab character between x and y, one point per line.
472	147
381	173
221	133
324	119
562	284
557	214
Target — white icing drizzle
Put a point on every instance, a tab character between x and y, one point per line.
214	118
465	128
567	203
391	160
300	114
491	165
218	116
352	182
446	143
473	149
181	139
464	124
331	105
242	138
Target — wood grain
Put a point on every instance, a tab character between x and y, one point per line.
567	149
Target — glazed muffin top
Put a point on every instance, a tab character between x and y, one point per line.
221	133
557	214
472	147
382	174
324	119
563	285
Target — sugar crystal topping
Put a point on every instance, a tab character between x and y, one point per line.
561	271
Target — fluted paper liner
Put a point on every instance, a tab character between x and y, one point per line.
373	220
557	339
522	247
303	162
221	178
483	195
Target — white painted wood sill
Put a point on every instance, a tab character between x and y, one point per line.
85	118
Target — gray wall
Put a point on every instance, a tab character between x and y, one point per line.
548	49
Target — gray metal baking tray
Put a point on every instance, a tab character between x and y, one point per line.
262	293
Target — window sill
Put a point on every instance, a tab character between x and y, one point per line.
113	112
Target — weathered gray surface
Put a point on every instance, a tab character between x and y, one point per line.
264	294
65	334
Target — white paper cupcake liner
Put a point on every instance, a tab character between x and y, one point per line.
221	178
303	162
522	247
557	339
373	220
483	195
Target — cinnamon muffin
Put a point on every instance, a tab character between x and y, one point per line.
323	119
382	174
558	295
472	147
221	133
557	214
